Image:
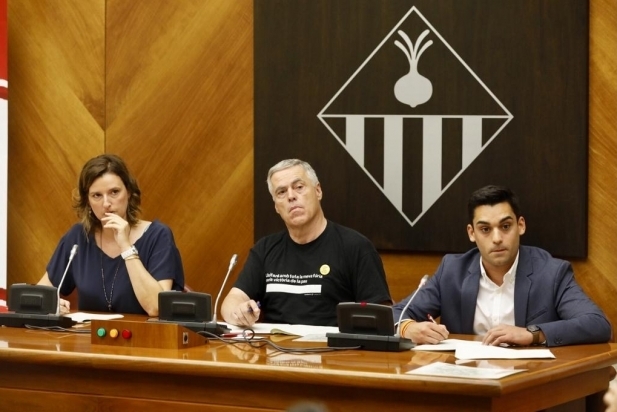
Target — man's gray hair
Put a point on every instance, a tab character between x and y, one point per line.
286	164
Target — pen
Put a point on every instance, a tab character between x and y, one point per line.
229	335
251	309
430	318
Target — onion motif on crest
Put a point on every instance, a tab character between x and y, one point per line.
413	88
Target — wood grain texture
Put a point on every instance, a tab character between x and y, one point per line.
169	86
38	365
18	400
598	274
166	85
56	121
179	109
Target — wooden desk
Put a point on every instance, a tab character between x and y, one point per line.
58	371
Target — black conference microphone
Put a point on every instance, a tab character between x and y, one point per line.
193	309
33	305
72	255
213	326
369	314
400	318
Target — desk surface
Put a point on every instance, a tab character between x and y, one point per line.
40	368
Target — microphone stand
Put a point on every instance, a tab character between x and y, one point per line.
213	326
73	251
400	318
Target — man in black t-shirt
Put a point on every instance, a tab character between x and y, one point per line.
299	276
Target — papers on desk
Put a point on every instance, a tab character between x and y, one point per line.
458	371
498	352
469	350
81	317
447	345
278	358
286	329
313	337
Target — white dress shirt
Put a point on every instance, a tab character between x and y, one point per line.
495	304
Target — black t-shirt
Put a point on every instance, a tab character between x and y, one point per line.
303	284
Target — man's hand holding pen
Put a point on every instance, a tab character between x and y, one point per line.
247	313
426	332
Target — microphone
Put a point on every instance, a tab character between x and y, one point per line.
180	317
232	263
32	305
400	319
212	326
387	343
72	255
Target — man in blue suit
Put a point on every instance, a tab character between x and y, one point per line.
519	295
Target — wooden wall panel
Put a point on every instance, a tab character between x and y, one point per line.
56	121
173	95
180	110
598	274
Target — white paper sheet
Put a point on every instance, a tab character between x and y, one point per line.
279	358
446	345
313	337
81	317
497	352
457	371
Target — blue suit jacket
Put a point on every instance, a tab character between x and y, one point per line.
545	294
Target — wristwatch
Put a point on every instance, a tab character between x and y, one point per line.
129	252
535	332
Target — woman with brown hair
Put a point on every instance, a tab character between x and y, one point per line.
122	262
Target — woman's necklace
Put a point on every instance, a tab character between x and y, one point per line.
113	282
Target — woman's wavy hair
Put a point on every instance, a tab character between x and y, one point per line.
92	170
